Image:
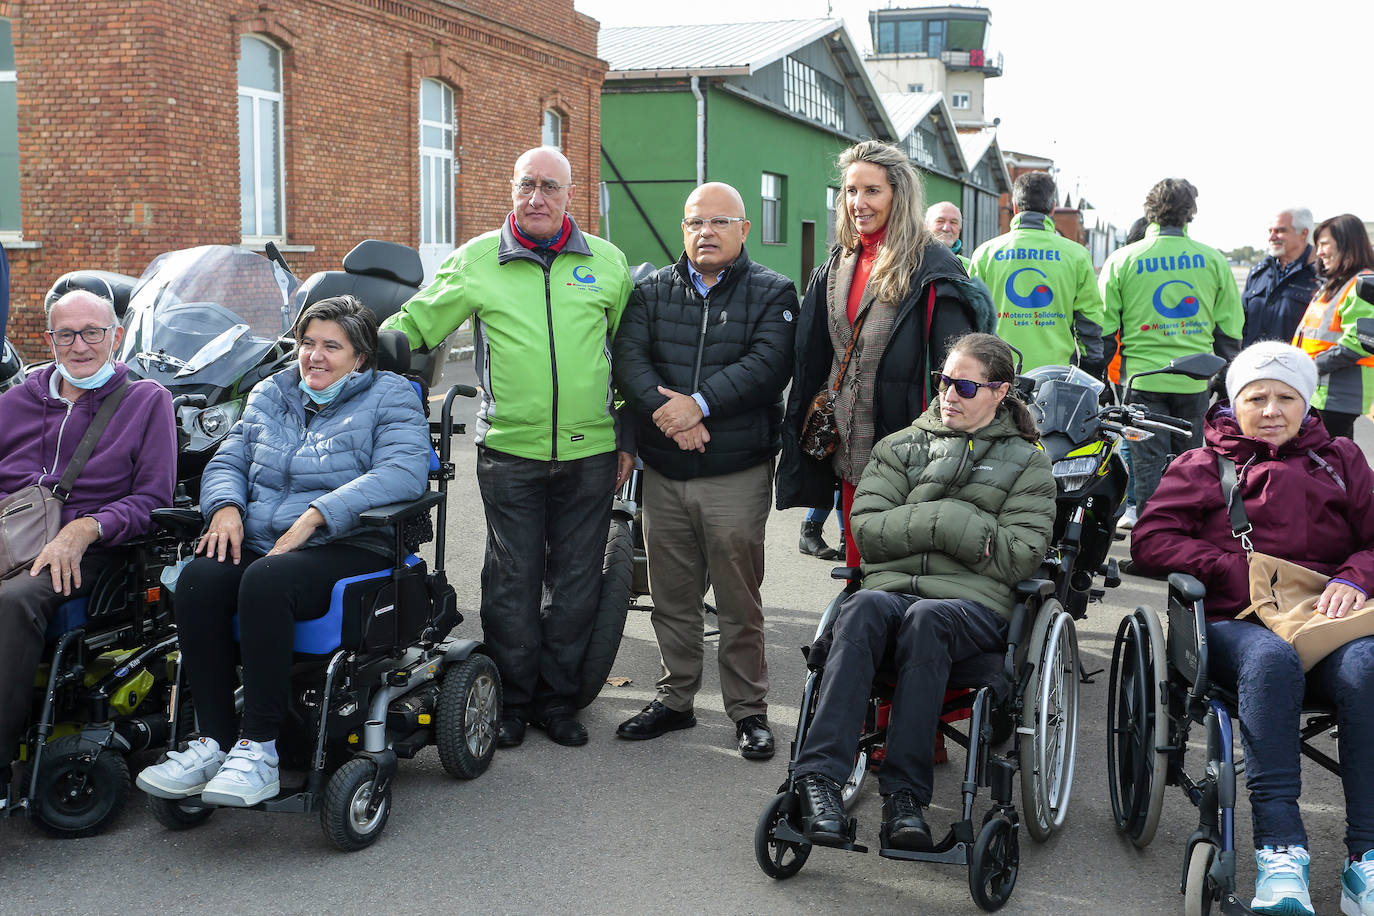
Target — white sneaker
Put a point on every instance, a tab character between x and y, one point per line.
1281	883
1128	519
1357	886
183	773
247	777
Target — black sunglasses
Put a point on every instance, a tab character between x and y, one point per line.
964	387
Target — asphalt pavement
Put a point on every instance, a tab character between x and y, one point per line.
663	826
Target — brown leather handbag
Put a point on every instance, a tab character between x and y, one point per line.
32	517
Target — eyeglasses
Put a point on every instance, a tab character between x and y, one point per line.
526	187
718	223
65	337
964	387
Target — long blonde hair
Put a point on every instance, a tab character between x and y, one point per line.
907	236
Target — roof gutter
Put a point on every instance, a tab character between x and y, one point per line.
701	131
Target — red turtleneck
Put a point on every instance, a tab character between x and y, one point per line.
868	253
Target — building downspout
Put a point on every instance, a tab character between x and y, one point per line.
701	130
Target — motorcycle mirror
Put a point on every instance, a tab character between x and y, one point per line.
1200	366
1019	359
1364	288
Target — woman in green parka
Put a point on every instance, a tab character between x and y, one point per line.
949	515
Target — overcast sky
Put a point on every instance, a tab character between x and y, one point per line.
1260	104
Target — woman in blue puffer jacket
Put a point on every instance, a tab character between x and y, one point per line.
318	445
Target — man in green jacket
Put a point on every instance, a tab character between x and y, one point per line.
1048	306
1169	296
545	300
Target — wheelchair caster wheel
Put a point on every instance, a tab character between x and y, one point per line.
469	709
351	817
179	813
778	858
81	789
1199	894
993	865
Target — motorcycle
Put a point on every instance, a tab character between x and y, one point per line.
1082	438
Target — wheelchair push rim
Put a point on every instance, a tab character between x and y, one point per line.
1051	711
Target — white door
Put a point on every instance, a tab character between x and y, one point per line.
436	174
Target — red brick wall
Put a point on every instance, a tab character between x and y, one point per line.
128	129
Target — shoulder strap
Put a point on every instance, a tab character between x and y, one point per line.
849	350
1235	504
88	441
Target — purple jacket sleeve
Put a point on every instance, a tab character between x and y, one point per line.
154	471
1184	529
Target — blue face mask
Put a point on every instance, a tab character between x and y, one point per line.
92	382
328	394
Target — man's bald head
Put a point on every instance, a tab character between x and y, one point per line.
945	222
711	248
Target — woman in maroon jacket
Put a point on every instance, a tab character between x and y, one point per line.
1310	500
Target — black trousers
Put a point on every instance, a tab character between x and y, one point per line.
1340	424
269	594
928	636
27	605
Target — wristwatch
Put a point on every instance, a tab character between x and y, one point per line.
99	528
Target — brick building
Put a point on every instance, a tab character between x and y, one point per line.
131	127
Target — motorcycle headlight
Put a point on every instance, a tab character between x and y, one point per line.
215	421
1073	473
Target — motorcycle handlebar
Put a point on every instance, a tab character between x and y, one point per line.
1182	426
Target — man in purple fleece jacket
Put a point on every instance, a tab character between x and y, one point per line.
130	473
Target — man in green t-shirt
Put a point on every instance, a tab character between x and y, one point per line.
1048	306
1169	296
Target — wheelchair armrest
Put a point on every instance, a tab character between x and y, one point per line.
183	523
392	513
844	572
1035	588
1186	587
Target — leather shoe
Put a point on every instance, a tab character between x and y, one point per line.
823	820
563	729
755	740
510	731
904	826
654	720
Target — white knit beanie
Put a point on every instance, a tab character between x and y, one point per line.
1272	359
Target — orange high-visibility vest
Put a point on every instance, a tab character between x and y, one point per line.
1320	329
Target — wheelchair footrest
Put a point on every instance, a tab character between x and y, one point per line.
302	802
954	855
785	832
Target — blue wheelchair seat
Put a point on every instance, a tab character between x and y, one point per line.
322	635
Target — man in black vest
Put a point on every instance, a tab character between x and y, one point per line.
702	356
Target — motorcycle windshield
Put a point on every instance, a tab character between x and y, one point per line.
205	316
1065	400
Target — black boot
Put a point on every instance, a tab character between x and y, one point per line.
811	542
823	820
904	824
835	554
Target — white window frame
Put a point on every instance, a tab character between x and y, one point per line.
955	98
12	77
770	214
832	201
438	163
553	118
259	97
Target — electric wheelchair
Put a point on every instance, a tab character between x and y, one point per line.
1159	686
378	677
1028	694
107	687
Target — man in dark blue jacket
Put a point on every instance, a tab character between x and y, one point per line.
1280	287
702	356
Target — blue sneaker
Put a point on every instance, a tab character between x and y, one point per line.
1357	886
1281	884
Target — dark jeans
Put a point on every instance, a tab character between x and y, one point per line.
928	636
269	594
27	605
1149	457
1270	685
547	523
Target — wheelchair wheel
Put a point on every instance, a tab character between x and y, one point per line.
81	789
351	817
849	791
617	577
778	859
179	813
1198	893
993	864
1051	709
469	709
1136	727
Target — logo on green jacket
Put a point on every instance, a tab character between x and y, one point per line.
1185	307
583	278
1039	297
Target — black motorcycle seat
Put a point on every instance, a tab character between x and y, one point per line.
383	275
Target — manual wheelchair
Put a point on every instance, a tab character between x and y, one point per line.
1028	694
107	687
1158	688
377	678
